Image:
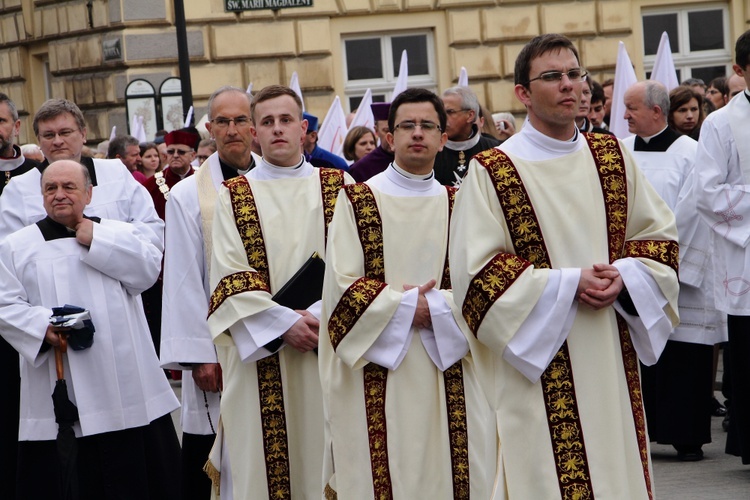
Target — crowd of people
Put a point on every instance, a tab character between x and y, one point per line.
456	307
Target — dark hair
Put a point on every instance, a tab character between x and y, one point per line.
597	91
417	95
53	108
682	95
694	81
11	106
720	84
538	46
742	50
272	92
119	145
352	138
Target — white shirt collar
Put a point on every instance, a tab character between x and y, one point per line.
530	144
396	181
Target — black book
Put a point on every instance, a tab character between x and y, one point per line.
301	291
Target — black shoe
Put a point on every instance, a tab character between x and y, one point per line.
690	455
717	409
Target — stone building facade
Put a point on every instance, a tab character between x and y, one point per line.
89	50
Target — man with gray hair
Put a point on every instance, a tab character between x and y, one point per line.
127	149
677	389
464	137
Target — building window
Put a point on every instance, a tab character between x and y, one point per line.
373	61
699	37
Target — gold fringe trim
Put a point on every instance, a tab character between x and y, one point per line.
214	475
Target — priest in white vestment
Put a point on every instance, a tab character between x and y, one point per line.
406	417
722	178
186	342
678	389
126	439
563	260
267	224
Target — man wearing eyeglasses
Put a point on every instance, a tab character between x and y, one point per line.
406	419
181	146
464	137
186	342
563	260
267	224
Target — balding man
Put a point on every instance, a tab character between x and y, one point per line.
677	389
735	85
126	441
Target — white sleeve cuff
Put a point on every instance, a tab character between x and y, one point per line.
540	336
253	332
445	343
389	349
649	330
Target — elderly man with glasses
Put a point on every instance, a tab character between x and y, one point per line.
464	137
563	260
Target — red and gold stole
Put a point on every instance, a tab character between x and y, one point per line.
350	308
557	381
270	386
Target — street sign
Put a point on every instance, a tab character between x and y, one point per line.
241	5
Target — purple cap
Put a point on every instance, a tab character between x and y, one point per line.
380	110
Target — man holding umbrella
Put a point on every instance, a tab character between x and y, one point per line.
126	443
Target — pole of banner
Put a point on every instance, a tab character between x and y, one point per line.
183	56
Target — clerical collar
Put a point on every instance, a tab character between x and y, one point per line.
228	172
549	143
747	94
266	170
656	143
468	143
12	163
586	126
52	230
395	181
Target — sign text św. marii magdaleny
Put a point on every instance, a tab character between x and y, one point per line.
240	5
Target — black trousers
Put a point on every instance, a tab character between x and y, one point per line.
142	463
9	416
738	437
195	449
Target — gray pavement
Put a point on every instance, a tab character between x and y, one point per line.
717	477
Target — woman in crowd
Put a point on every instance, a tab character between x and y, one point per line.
717	91
358	143
686	112
150	162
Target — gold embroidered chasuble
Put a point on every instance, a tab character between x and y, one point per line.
263	231
413	432
581	427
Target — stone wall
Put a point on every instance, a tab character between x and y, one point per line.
265	47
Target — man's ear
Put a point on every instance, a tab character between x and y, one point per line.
523	94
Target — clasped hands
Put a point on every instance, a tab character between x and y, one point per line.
599	286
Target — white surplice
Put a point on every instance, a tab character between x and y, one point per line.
117	383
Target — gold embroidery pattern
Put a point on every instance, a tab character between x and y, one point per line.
557	381
630	362
246	281
270	387
445	282
353	303
488	285
369	227
329	493
611	168
664	252
331	181
375	379
458	436
273	422
248	225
